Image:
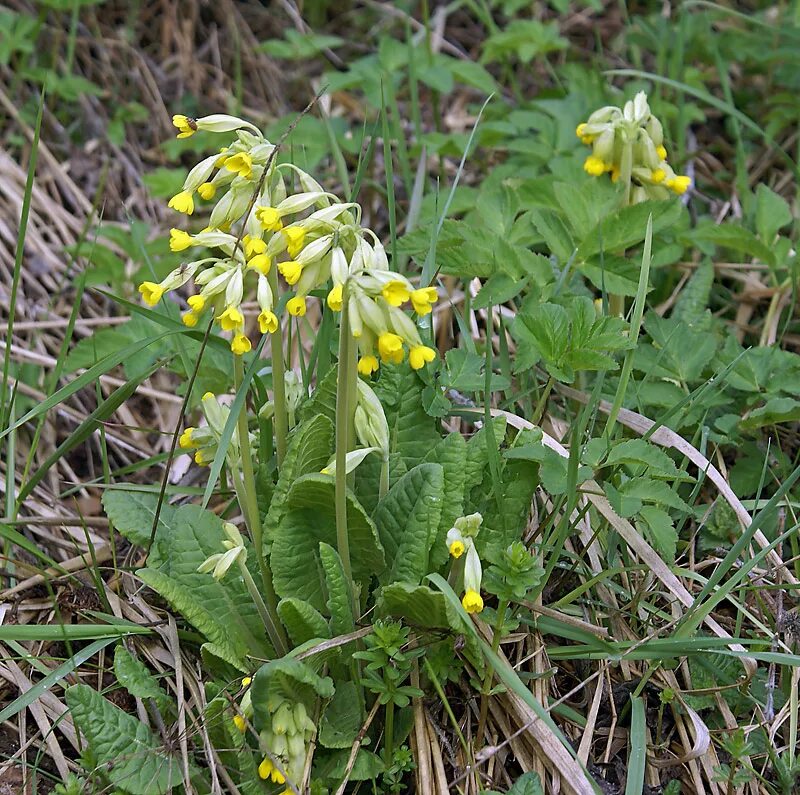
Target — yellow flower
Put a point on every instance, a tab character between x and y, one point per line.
419	355
239	723
679	184
457	548
208	396
179	240
277	777
661	152
269	218
472	602
614	173
207	190
196	302
231	319
182	202
201	460
658	175
395	292
261	262
247	681
189	319
296	306
151	292
241	164
240	344
295	237
585	137
265	768
390	347
291	271
185	440
422	299
220	161
253	246
367	365
185	125
594	166
335	298
267	322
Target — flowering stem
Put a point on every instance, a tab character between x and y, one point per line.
616	305
273	630
384	484
343	422
278	383
252	515
487	681
538	412
388	740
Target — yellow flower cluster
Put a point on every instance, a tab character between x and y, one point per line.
290	731
460	541
628	144
312	237
204	441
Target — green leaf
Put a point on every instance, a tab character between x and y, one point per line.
626	227
554	232
339	605
132	514
309	449
640	452
657	525
407	519
470	73
341	721
464	370
367	766
772	213
734	237
656	491
417	605
678	352
135	677
525	39
223	612
323	399
130	754
692	305
527	784
451	454
309	520
302	621
568	338
775	410
412	432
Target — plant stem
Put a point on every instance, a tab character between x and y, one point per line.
278	383
384	484
538	412
487	681
275	631
343	422
388	740
251	512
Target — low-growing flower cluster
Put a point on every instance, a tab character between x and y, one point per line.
628	144
312	237
461	541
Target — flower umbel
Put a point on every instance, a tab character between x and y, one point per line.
628	143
